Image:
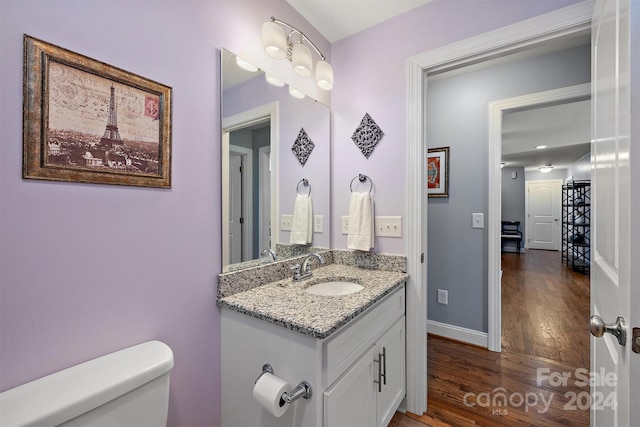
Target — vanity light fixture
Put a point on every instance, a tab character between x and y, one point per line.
296	93
246	65
279	45
273	80
545	169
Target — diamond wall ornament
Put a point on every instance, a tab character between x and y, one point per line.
302	147
367	135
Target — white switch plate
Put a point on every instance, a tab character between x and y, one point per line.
477	220
388	226
318	223
443	297
345	224
285	222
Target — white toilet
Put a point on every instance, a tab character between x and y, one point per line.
127	388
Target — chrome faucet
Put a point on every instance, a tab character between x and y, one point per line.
268	251
304	272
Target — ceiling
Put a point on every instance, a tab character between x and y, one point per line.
337	19
565	129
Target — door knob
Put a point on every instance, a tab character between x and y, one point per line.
618	329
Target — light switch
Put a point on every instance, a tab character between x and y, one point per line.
318	222
388	226
477	220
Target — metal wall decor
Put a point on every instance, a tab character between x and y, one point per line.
367	135
302	147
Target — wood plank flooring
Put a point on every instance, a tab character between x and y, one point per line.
545	335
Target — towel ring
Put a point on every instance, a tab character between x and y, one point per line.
362	178
305	182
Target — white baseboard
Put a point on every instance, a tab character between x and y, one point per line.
512	249
457	333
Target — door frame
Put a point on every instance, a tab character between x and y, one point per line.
250	117
563	22
247	198
496	110
527	227
264	229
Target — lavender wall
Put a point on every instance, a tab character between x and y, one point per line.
371	76
89	269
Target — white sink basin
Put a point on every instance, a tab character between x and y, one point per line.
334	288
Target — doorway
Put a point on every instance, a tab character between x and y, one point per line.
257	140
571	21
497	111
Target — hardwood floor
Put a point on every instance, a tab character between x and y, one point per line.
539	378
545	308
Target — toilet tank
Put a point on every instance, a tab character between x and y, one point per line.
127	388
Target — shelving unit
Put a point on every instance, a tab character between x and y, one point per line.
576	225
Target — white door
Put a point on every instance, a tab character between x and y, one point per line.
543	225
610	264
235	208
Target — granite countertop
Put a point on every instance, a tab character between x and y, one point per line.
285	302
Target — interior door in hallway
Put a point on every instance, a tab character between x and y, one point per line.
543	216
611	243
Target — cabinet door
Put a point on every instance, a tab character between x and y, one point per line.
351	401
392	346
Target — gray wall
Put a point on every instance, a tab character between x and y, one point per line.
457	258
513	199
581	169
554	174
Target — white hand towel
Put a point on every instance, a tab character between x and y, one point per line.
361	222
302	223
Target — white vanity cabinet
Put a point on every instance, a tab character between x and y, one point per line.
371	390
343	369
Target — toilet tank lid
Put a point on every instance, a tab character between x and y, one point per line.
69	393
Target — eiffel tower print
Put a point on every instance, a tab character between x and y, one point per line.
111	135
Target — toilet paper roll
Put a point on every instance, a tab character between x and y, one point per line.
268	393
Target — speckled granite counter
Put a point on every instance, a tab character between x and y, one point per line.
285	303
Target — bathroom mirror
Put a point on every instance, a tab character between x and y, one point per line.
261	174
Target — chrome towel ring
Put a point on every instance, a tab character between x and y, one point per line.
305	183
362	178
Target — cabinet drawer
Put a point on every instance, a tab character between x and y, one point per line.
342	350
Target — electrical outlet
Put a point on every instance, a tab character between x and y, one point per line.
285	222
318	222
388	226
345	224
443	297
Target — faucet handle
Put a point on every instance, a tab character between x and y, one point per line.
296	271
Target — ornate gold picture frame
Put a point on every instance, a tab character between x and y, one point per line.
86	121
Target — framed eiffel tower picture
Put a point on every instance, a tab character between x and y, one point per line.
89	122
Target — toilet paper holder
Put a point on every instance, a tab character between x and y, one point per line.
301	390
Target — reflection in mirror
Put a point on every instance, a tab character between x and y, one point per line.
260	170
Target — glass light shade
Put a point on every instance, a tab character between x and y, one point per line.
545	169
296	93
301	59
246	65
274	40
273	80
324	75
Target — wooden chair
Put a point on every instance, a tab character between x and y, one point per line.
511	233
